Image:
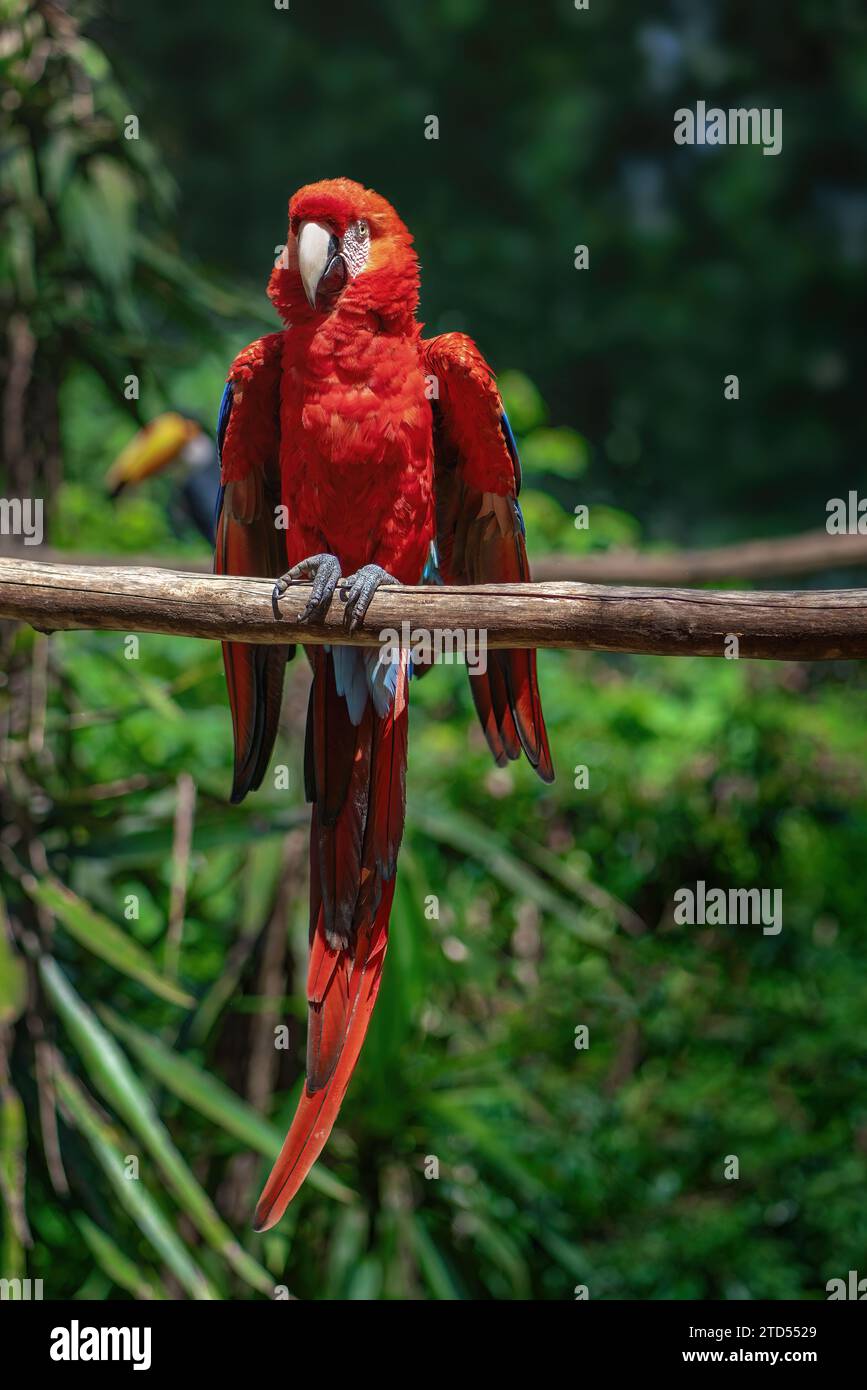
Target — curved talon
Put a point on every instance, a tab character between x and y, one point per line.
325	571
358	592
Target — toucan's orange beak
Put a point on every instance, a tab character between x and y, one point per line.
151	450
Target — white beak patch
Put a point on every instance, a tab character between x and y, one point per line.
313	256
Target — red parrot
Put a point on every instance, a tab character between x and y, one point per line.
351	446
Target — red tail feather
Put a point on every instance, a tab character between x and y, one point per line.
318	1109
349	912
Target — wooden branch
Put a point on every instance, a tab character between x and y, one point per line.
810	553
810	626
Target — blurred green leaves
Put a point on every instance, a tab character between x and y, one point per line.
111	1074
97	219
132	1196
13	977
559	452
104	939
479	1154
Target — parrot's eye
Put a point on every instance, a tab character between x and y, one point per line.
363	229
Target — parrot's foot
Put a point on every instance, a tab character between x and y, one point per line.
324	570
359	590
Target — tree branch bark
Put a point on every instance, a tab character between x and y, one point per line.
817	625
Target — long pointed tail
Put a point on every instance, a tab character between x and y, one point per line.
355	769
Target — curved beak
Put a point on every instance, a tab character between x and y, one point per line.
322	267
151	450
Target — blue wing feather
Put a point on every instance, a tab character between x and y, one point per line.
223	417
222	425
512	447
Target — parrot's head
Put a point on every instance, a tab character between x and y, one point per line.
347	249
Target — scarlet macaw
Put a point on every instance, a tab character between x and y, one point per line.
330	423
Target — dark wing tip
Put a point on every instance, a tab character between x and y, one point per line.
254	741
545	769
260	1220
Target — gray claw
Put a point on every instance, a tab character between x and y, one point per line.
359	590
325	572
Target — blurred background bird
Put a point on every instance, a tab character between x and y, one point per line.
179	442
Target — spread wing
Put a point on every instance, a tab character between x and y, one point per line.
480	533
248	543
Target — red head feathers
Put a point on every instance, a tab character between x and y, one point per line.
346	250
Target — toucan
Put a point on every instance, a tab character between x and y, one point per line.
173	438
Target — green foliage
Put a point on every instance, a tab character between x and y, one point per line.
480	1153
91	273
557	1166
